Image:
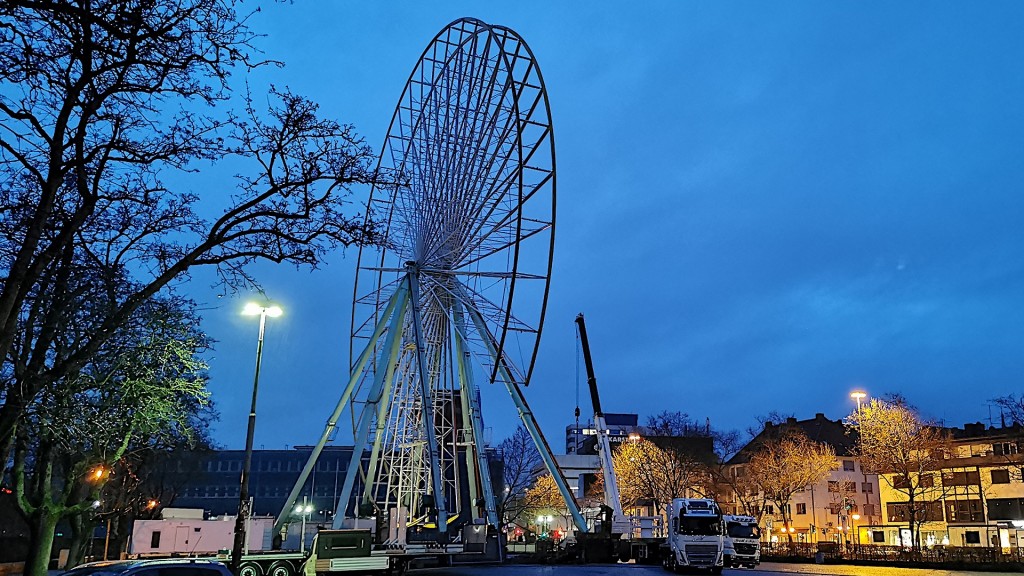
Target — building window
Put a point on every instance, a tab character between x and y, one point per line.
926	481
769	509
967	478
801	508
972	537
833	486
849	487
848	466
964	511
900	512
1004	448
1000	476
867	487
878	536
869	509
900	482
154	541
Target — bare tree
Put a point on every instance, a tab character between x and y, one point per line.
729	484
906	452
674	423
781	466
520	462
100	100
648	473
774	417
1012	407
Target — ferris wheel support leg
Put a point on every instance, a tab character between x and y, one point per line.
332	421
374	398
471	418
526	415
428	403
393	352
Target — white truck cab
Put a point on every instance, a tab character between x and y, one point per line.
696	536
742	541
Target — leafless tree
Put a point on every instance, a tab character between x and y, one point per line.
521	461
774	417
784	465
674	423
906	452
102	104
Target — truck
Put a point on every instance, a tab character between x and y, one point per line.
696	536
742	541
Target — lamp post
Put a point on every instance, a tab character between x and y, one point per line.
853	526
303	510
858	395
243	492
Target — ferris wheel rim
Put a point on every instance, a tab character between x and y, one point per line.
373	281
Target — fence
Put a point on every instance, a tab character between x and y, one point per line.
889	554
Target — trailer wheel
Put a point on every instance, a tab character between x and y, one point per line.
397	567
250	569
281	568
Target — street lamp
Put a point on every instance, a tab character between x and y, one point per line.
303	510
251	309
858	395
853	523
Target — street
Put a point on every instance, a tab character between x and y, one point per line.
766	569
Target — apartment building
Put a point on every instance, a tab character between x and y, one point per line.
835	509
974	498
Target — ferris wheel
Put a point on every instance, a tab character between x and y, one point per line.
457	294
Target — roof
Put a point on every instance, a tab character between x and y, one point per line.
819	429
121	566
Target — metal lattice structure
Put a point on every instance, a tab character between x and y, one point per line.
458	295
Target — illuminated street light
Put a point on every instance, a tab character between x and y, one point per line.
858	395
303	510
98	473
251	309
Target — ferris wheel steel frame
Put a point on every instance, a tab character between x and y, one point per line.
469	227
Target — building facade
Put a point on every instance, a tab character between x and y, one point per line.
217	474
833	510
973	498
619	428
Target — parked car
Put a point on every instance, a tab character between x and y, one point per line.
161	567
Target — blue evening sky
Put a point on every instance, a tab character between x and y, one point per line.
762	205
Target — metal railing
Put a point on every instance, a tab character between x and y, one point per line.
880	553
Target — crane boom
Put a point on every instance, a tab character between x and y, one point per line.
620	524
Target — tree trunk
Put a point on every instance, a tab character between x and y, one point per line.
43	529
79	540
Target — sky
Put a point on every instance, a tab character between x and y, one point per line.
761	206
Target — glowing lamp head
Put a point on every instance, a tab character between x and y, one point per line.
253	309
98	473
858	395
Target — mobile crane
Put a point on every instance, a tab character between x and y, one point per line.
696	539
620	524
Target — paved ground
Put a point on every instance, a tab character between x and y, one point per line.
767	569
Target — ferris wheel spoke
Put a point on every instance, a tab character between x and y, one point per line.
478	301
485	154
504	245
